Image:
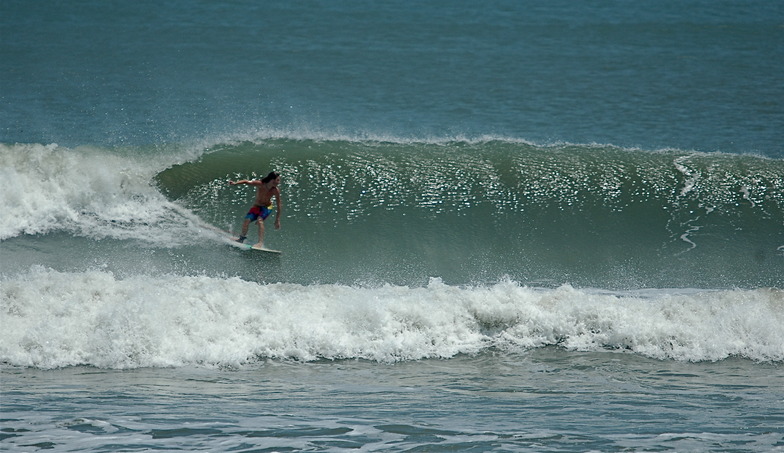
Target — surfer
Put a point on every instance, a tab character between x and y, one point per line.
266	190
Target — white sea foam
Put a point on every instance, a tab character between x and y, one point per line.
52	319
691	177
84	191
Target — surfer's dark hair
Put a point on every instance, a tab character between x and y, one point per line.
270	177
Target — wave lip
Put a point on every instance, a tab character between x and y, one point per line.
53	319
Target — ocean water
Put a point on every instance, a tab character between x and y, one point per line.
507	226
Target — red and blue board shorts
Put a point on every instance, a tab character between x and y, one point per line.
258	211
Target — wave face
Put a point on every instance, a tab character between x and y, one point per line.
54	319
477	211
393	251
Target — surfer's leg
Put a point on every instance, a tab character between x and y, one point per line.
261	232
245	226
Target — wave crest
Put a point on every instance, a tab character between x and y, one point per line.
85	191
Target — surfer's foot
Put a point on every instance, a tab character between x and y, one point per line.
241	239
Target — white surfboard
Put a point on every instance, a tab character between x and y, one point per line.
264	249
255	247
227	236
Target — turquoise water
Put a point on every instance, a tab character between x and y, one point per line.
702	76
509	226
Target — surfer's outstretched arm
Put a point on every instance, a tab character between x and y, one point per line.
252	182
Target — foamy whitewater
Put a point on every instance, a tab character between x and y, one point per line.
95	319
506	227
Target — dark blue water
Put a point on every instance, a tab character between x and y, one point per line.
701	76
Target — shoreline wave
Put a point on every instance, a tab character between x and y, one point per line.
59	319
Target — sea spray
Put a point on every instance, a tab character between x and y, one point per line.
90	192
